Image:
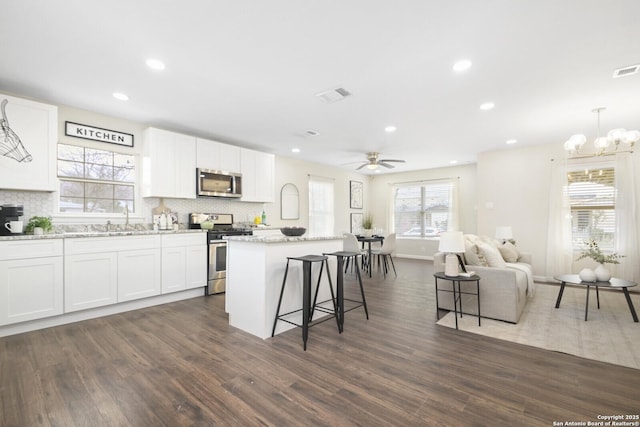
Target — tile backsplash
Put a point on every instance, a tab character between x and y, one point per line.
42	204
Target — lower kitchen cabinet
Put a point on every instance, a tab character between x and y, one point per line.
138	274
184	262
31	280
106	270
91	280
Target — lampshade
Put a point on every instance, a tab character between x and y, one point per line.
451	242
504	232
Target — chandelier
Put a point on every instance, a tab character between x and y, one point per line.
605	145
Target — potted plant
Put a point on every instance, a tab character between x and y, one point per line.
39	225
593	251
367	225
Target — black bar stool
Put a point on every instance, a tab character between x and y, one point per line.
341	256
307	307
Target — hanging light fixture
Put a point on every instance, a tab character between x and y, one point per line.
603	143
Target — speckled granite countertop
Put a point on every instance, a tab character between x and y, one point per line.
76	234
280	239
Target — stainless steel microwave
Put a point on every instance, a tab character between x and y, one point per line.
214	183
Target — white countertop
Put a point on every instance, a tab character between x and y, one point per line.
76	234
280	239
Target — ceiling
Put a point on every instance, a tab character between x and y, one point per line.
247	72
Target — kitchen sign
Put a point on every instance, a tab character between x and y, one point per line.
98	134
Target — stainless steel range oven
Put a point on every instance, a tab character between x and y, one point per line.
222	227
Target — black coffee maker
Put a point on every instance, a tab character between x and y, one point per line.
9	213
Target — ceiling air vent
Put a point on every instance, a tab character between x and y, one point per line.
626	71
333	95
311	132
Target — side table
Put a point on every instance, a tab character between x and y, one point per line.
457	294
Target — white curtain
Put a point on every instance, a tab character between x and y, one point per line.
453	222
321	206
559	243
626	228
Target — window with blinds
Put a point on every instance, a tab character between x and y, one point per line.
422	209
592	196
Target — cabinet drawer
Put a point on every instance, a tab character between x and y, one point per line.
19	249
185	239
87	245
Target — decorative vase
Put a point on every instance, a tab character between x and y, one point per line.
38	231
587	275
602	274
368	232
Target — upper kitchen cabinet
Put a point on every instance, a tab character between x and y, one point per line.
168	164
28	145
217	156
257	176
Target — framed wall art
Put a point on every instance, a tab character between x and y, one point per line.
355	194
356	223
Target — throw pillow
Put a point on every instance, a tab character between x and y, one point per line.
509	252
492	255
473	256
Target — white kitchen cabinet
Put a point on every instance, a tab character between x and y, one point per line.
257	176
31	280
138	274
107	270
90	280
29	159
184	262
168	164
217	156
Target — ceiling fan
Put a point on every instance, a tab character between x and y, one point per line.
373	162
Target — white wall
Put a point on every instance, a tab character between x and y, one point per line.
290	170
379	201
513	188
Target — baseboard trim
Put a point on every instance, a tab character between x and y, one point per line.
410	256
92	313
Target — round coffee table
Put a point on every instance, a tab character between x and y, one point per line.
614	283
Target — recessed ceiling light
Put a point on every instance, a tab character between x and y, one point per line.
512	141
453	162
120	96
155	64
461	65
487	106
390	129
295	150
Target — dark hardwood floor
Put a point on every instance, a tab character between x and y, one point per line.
180	364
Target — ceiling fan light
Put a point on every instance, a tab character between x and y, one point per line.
372	166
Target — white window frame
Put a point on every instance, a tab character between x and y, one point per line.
321	206
452	209
88	217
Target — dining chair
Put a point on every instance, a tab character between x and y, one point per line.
384	254
350	244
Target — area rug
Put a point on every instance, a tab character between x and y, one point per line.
610	334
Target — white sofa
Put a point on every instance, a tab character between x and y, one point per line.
504	286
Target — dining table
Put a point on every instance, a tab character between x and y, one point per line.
368	240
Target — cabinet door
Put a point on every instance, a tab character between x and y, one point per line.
196	266
264	177
168	165
174	269
90	280
31	137
138	274
217	156
257	176
30	289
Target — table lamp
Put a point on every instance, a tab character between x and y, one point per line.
504	233
452	243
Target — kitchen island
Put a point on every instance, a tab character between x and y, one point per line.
255	269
